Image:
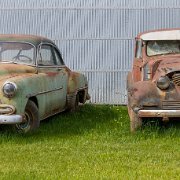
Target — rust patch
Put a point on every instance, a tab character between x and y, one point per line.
52	74
72	82
16	68
8	71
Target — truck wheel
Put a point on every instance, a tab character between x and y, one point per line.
32	119
135	121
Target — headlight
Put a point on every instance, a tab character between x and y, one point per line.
163	82
9	89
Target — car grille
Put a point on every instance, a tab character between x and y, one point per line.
176	79
171	105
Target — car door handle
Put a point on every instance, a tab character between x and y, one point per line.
59	69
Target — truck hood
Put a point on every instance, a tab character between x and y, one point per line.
13	70
162	67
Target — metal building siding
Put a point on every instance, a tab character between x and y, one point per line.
94	36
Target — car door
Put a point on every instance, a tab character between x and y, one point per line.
54	80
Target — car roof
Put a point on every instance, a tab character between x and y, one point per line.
35	40
160	34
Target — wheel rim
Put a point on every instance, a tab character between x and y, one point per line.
25	125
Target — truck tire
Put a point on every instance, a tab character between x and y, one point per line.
135	121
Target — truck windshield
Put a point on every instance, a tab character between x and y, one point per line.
162	47
17	52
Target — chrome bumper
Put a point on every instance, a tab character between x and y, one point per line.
159	113
11	119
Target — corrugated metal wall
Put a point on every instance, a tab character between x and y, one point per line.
95	36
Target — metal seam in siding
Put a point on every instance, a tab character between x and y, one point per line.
90	8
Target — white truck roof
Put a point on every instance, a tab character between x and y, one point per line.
161	35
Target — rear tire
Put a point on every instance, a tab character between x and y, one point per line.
32	119
76	104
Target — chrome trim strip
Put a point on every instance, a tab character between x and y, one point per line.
43	92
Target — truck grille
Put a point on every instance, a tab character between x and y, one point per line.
171	105
176	79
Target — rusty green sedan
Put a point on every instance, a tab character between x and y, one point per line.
35	82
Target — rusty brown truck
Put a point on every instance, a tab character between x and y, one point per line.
153	85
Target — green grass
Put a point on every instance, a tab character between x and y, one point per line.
93	143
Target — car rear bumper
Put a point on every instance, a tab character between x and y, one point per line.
11	119
158	113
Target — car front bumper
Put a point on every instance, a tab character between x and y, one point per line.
158	113
11	119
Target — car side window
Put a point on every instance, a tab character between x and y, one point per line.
49	56
58	58
46	55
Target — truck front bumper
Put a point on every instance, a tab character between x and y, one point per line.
158	113
11	119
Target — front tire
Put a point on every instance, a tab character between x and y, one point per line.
32	119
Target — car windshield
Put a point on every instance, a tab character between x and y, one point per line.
17	52
163	47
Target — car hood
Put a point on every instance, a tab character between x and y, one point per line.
12	70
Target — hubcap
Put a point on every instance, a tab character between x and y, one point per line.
26	124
